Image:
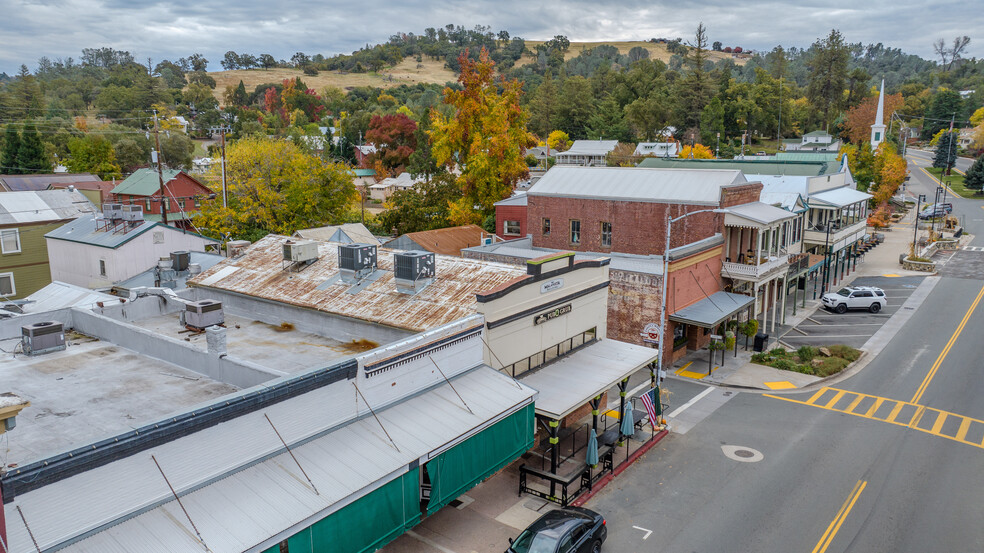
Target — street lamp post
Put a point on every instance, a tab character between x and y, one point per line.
666	270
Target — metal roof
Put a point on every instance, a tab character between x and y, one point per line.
238	483
522	248
711	311
758	212
447	241
451	295
149	277
84	230
144	182
18	208
589	148
347	233
516	199
809	155
634	184
786	200
59	295
568	383
752	168
21	183
839	197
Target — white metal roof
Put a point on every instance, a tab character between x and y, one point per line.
517	199
241	487
712	310
840	197
570	382
787	200
756	212
522	248
18	208
59	295
637	184
589	148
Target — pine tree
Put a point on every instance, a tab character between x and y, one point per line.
8	155
30	155
946	151
975	175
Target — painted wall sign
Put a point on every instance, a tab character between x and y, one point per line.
552	314
551	285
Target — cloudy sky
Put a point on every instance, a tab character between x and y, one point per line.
30	29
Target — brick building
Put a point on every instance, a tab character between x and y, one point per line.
510	217
183	195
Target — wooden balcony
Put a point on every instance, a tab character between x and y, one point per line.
767	267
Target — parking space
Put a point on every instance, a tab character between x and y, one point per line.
824	328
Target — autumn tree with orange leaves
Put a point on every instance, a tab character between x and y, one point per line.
485	137
858	120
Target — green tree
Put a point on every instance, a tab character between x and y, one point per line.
485	138
272	185
178	150
132	154
828	75
946	151
975	175
8	155
608	122
543	106
93	154
944	105
31	157
695	88
426	206
575	106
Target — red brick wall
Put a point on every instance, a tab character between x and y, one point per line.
510	213
181	187
741	194
637	227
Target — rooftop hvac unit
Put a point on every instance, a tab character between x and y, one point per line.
356	261
413	271
302	251
203	314
180	260
132	213
113	211
235	248
43	337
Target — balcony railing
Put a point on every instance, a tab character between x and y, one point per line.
757	271
818	234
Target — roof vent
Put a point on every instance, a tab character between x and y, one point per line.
356	261
413	271
113	211
299	254
43	337
180	260
200	315
235	248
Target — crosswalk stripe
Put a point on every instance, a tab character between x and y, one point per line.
837	397
938	425
962	431
895	411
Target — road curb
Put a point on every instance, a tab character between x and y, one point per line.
620	469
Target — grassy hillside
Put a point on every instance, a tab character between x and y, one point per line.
656	51
407	72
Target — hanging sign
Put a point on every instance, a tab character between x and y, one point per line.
650	334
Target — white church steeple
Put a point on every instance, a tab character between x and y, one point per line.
878	129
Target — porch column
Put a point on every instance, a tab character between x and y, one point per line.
784	295
554	454
755	293
594	412
775	300
758	245
621	396
727	244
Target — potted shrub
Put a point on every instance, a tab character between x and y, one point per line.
750	328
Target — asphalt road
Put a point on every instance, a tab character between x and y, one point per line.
854	327
971	211
872	464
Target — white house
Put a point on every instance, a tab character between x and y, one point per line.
659	149
383	190
89	253
586	153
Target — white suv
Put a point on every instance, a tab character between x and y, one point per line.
855	297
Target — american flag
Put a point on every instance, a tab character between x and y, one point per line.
650	400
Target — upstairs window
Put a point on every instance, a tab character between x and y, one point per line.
510	227
575	231
546	227
10	241
606	235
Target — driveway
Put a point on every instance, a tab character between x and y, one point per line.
853	328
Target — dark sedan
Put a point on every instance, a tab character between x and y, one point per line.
568	530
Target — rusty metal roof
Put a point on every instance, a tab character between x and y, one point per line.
446	241
449	297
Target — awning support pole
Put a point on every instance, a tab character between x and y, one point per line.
554	454
621	397
595	403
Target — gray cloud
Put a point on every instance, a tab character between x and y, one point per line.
30	29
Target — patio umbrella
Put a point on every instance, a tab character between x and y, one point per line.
628	424
591	457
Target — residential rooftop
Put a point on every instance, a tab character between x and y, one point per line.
446	241
260	273
91	229
22	183
20	208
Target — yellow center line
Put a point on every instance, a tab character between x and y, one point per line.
946	350
835	524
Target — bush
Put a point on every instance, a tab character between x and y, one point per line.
784	365
830	365
750	328
845	352
310	70
807	353
760	358
778	352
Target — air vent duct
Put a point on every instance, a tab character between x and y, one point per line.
43	337
413	271
356	261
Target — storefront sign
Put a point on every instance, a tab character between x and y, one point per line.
552	314
551	285
650	334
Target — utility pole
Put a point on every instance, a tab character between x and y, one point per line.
222	134
160	171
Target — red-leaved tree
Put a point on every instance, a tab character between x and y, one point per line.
393	136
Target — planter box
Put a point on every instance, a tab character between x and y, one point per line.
922	266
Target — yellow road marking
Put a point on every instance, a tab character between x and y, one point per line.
891	275
683	368
780	385
912	423
962	431
835	524
946	350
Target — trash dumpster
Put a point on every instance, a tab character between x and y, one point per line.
761	340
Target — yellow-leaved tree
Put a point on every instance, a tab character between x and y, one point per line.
559	141
699	150
275	186
484	138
